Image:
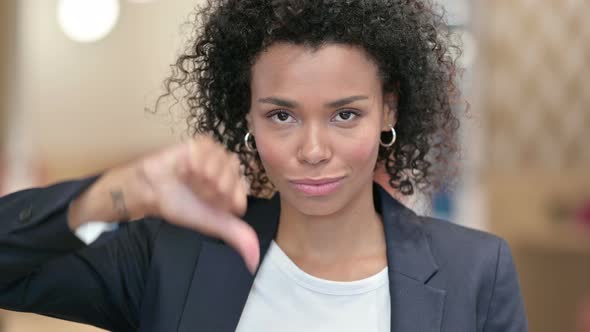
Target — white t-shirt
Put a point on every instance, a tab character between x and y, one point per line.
286	298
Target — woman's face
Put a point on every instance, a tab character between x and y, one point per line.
317	115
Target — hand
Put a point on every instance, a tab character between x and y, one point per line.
198	185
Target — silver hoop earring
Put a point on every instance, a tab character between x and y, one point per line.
247	143
393	137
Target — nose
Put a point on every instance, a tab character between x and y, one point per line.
314	148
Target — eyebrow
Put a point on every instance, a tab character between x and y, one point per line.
293	104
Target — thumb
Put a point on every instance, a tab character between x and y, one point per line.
242	237
237	233
215	222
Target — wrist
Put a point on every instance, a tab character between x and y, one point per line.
115	197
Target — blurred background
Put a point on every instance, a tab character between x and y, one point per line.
76	77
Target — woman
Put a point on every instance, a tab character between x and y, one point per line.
309	98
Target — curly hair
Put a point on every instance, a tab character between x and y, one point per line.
408	40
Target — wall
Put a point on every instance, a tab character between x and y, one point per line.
536	104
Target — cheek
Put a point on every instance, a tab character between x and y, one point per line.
361	151
273	155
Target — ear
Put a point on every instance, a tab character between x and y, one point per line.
389	110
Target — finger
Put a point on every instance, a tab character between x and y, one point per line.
244	240
225	188
191	212
205	175
239	194
188	168
237	234
239	198
213	178
182	162
186	159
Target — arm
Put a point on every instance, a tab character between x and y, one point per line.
506	310
28	220
46	269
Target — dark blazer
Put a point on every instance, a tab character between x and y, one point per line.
152	276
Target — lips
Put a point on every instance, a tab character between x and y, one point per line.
317	181
317	187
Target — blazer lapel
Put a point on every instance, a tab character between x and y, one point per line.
221	282
415	306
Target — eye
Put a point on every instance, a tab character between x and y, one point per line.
280	117
347	115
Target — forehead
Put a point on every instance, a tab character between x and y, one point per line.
290	68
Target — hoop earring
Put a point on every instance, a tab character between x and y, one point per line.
393	138
247	143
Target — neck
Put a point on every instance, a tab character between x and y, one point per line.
352	232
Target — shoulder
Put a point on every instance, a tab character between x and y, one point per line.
459	246
476	262
449	234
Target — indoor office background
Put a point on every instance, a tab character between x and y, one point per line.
70	106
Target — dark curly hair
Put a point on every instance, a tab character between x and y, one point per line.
407	39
